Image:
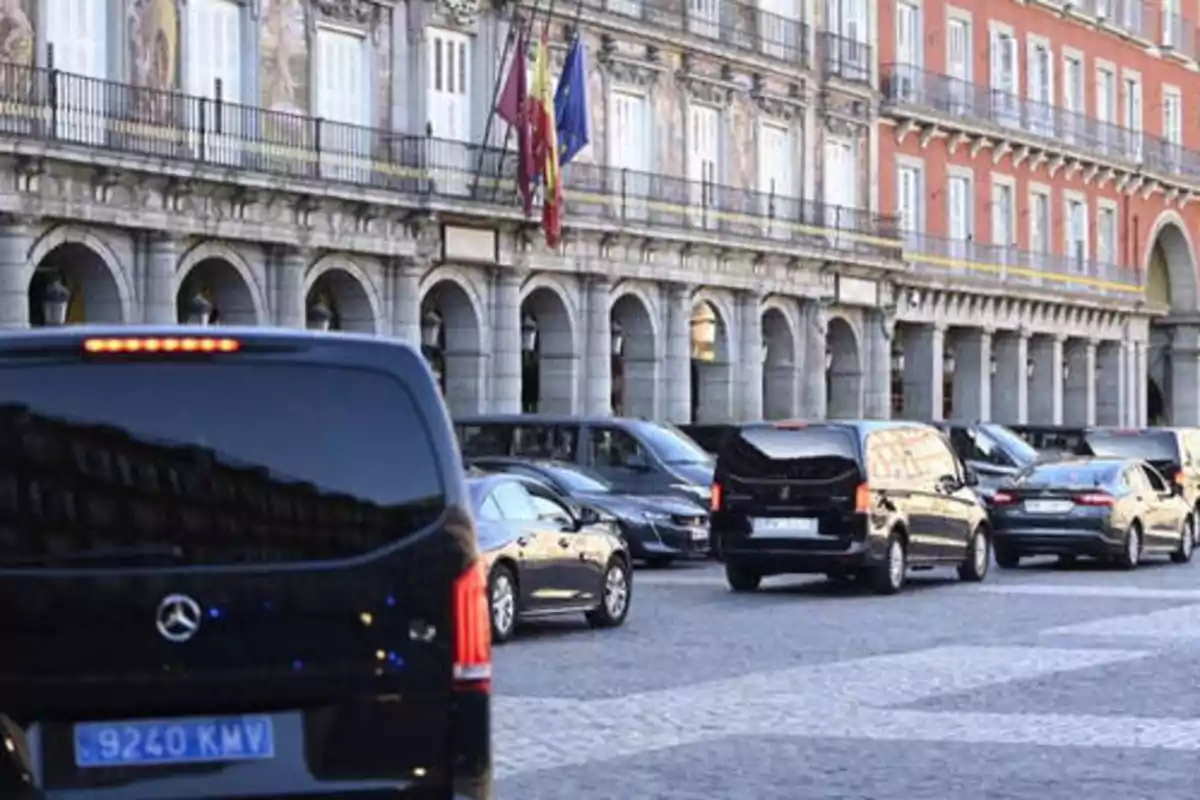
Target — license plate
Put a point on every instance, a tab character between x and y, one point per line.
197	740
699	535
785	527
1049	506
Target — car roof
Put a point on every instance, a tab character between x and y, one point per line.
545	419
862	425
545	463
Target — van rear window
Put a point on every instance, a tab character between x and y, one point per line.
208	463
780	453
1160	447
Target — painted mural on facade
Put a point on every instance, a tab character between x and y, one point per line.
284	66
18	41
154	30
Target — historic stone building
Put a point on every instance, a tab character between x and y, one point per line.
318	162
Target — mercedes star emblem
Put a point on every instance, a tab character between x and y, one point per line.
178	618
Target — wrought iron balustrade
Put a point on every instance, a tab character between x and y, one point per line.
845	58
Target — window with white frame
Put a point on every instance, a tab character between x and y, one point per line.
214	65
776	161
704	152
1041	73
449	98
847	20
1005	79
1106	235
909	55
1076	233
959	207
1073	98
779	28
704	17
841	174
1131	116
958	49
1173	116
1004	213
1106	95
1039	222
628	145
1171	27
908	198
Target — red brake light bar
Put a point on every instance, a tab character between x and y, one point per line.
163	344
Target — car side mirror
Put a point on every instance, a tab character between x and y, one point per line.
970	477
587	516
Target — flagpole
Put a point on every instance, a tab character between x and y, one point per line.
497	88
508	132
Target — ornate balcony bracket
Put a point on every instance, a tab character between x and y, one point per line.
28	171
718	91
351	12
999	151
628	71
787	107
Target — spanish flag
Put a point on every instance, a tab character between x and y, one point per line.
545	143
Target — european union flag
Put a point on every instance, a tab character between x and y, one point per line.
572	105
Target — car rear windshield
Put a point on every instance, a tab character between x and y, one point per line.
208	463
789	453
1159	447
1071	474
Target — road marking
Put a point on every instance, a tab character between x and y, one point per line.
1083	590
1170	623
534	734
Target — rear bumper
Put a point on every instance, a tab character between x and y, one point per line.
783	561
653	540
1049	541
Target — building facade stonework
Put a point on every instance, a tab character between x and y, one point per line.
725	255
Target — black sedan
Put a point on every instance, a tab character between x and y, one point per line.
1116	510
544	560
659	529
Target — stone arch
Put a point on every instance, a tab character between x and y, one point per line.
550	358
712	358
1171	387
635	365
453	339
844	380
92	272
780	357
349	292
225	279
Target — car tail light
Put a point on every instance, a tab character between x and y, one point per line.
716	498
1094	499
862	499
1003	499
1179	479
472	631
162	344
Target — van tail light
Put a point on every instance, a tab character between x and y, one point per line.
1179	479
472	631
1094	499
862	499
1004	499
162	344
717	496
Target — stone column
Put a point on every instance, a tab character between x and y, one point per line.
290	311
598	348
751	355
972	399
924	351
1140	379
877	393
1046	386
1079	401
1185	376
506	342
406	300
679	353
16	240
816	377
1010	384
158	305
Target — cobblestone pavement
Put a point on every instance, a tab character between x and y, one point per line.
1041	683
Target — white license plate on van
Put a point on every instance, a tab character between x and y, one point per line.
784	528
1048	506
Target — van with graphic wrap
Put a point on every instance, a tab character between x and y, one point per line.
235	563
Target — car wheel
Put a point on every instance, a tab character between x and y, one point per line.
1131	548
502	603
888	577
616	593
1196	526
1005	558
979	558
1187	543
742	579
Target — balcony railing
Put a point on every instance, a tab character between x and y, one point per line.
943	96
844	58
968	261
72	109
741	26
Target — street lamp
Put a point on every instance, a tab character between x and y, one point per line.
897	360
529	333
431	328
618	339
1030	369
320	316
993	365
1066	372
199	310
828	359
948	362
55	300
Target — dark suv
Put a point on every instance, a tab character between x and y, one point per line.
1175	452
236	563
847	499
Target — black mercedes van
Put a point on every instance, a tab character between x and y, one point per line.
235	563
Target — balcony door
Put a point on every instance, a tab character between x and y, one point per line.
76	30
1005	95
214	72
908	52
1073	100
958	66
449	101
704	129
1041	90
